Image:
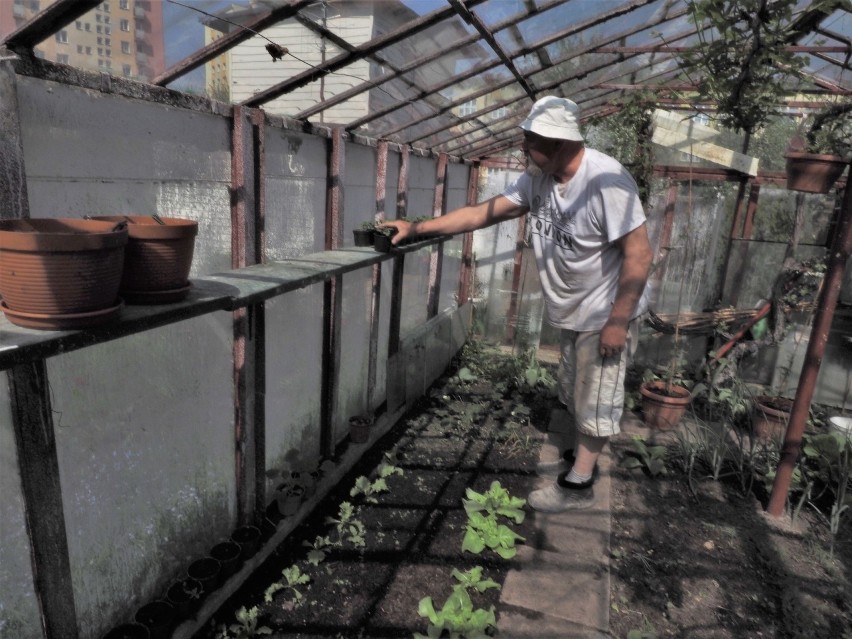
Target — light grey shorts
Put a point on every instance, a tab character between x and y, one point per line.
591	387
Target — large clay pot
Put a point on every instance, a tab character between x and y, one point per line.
811	172
770	416
158	617
60	273
157	259
663	405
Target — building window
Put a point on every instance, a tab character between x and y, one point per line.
105	6
108	53
107	30
62	36
79	48
100	51
124	4
35	5
467	108
79	25
62	58
125	25
97	17
107	41
99	29
88	50
500	113
106	19
100	40
125	70
125	47
88	27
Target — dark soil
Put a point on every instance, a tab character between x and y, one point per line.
697	563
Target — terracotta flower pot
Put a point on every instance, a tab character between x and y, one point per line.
663	405
206	572
770	416
157	259
811	172
60	273
128	631
227	554
248	537
158	617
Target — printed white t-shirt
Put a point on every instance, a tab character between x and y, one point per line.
573	233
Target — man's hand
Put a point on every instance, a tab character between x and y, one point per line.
613	338
404	230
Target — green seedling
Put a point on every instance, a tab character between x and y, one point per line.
363	486
292	577
485	532
472	580
347	526
318	550
457	618
246	626
649	458
495	501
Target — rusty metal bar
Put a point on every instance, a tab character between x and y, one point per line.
47	22
240	316
436	259
826	305
664	241
360	52
467	245
35	439
399	261
258	120
751	209
376	290
229	41
472	19
665	48
517	270
332	294
13	177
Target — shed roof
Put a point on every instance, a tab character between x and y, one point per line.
454	76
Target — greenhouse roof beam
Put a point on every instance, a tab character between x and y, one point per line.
47	22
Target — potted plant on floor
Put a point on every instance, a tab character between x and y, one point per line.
817	159
359	429
664	401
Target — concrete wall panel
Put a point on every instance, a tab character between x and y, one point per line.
145	440
19	613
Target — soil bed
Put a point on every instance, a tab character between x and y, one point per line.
700	562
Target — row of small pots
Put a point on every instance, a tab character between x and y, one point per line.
69	273
378	240
157	619
663	406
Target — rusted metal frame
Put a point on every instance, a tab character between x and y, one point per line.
517	271
473	38
751	209
258	311
399	260
436	259
544	87
230	40
664	242
834	61
833	35
826	305
332	294
47	22
376	289
482	68
13	177
735	230
471	18
466	270
665	48
248	344
360	52
38	462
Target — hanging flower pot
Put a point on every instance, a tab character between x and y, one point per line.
158	617
157	259
663	405
61	274
813	172
770	416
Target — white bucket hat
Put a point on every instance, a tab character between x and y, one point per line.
553	117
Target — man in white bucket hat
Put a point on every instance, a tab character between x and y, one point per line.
588	231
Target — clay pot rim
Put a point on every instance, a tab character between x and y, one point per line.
60	235
145	227
814	157
230	544
761	403
683	394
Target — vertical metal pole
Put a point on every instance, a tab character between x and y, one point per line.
514	302
39	469
13	178
241	319
664	241
332	293
826	304
437	258
376	289
399	261
466	271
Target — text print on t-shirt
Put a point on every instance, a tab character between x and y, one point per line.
543	224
